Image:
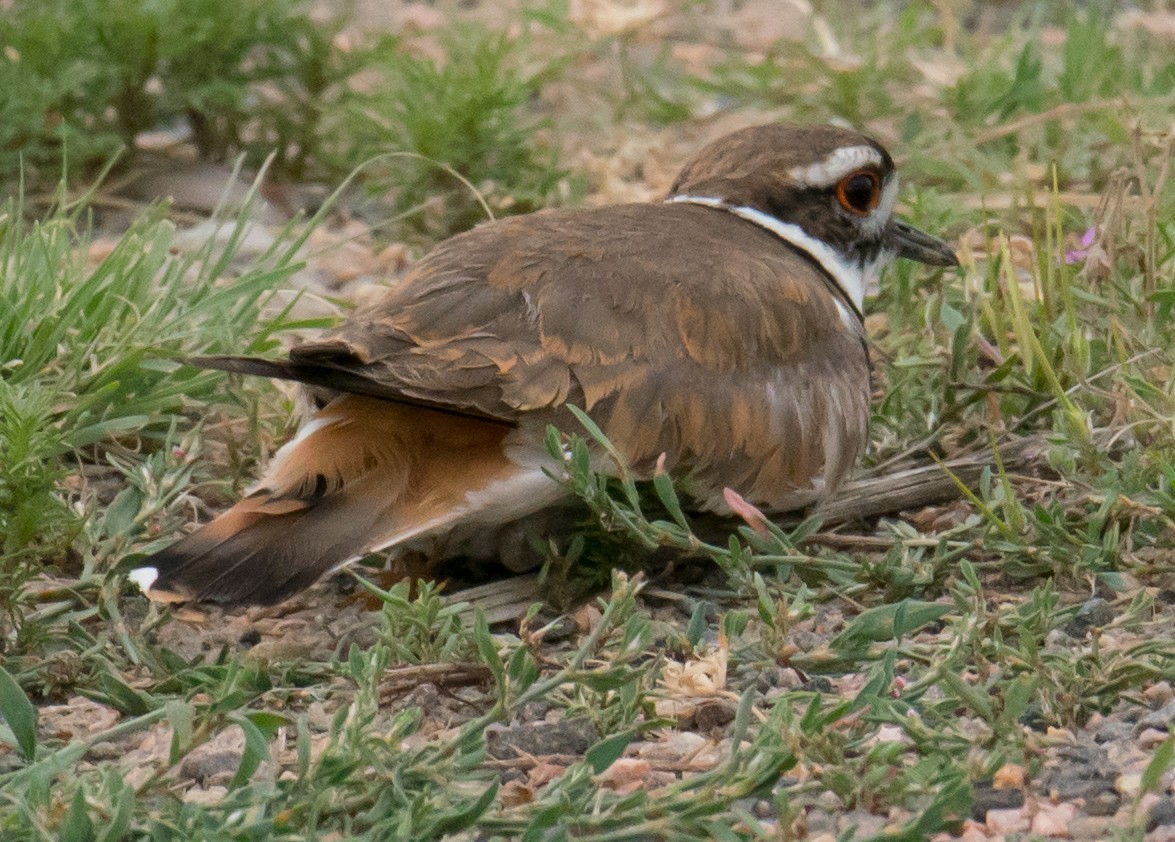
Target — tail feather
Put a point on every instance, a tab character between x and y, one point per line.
361	476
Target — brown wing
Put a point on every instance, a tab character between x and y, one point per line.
681	329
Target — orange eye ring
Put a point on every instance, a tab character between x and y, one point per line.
859	192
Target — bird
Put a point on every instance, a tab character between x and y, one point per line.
717	334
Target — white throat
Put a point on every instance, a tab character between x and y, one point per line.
850	277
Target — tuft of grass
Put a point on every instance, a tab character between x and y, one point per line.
463	135
90	371
85	78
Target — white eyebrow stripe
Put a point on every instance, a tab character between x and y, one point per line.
839	163
851	279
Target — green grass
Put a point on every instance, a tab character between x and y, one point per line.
455	141
882	669
275	82
91	375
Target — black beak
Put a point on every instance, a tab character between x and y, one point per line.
913	244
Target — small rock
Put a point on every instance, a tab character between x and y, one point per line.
1053	819
862	825
1033	717
1084	771
1114	731
772	678
1151	737
105	751
571	736
425	696
205	797
1091	828
820	825
78	719
715	714
1009	776
984	797
817	684
1095	613
216	761
534	711
1007	821
1103	803
972	832
1158	694
1160	719
250	638
1162	813
208	765
627	774
1128	784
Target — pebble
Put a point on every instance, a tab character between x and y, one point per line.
571	736
1128	784
715	714
818	684
775	677
1007	821
1092	828
1158	719
1151	737
1053	819
1161	814
861	824
1158	694
1103	803
1095	613
763	809
205	797
1114	731
211	765
985	797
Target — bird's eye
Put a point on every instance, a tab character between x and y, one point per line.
859	192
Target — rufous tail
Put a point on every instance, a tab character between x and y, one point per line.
363	474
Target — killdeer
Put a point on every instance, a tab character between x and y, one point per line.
721	327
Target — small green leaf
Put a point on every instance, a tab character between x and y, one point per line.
1164	759
522	669
76	826
303	746
1018	696
607	751
888	622
256	751
267	721
118	812
488	649
697	624
20	715
667	494
179	716
467	816
742	719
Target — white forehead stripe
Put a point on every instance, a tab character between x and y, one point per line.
851	279
839	163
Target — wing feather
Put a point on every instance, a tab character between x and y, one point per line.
682	329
